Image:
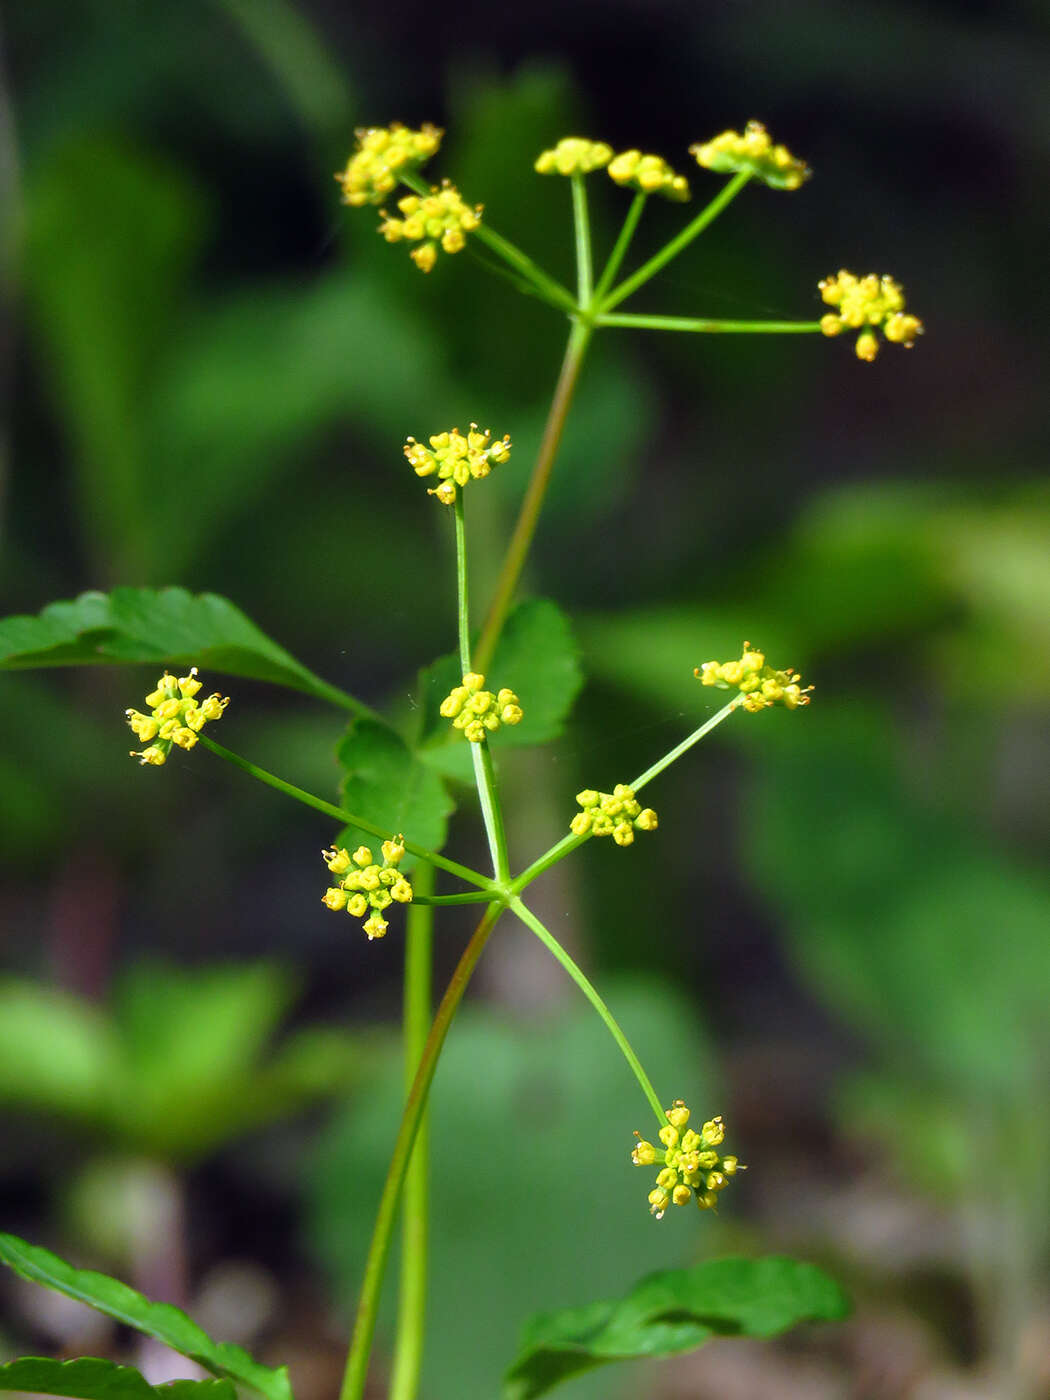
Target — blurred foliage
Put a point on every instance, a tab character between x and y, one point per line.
180	1065
531	1143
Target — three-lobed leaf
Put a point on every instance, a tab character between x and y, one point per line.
90	1378
169	626
387	784
162	1321
670	1312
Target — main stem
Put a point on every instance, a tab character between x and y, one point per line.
412	1300
528	516
356	1374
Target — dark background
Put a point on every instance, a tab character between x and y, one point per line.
839	938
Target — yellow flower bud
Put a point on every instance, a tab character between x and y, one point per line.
335	898
574	155
753	151
357	905
644	1154
681	1195
376	927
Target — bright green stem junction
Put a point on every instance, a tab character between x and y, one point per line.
590	992
345	818
356	1375
412	1298
725	196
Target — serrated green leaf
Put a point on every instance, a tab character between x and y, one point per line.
670	1312
387	784
159	625
89	1378
162	1321
537	657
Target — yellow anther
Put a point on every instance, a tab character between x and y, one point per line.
176	718
680	1178
648	175
574	155
456	459
367	888
864	303
441	217
382	154
478	712
759	684
753	151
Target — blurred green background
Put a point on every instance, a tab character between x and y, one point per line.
841	937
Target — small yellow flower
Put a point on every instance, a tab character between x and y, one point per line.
759	684
692	1166
861	303
175	717
457	459
648	175
617	814
365	887
438	219
477	711
754	151
574	155
382	153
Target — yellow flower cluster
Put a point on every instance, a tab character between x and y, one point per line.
617	814
760	685
440	217
477	711
692	1165
366	887
382	153
861	303
175	718
648	175
574	155
456	459
753	151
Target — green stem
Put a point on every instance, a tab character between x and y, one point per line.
692	323
484	773
623	242
582	227
569	843
441	901
412	1297
462	588
525	527
671	250
356	1374
686	744
548	287
591	993
464	872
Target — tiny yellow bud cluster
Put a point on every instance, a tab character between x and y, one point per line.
692	1167
648	175
753	151
382	153
574	155
865	302
478	712
175	718
365	886
440	217
760	685
617	814
457	459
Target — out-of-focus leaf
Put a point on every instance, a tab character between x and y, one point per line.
110	235
57	1055
88	1378
554	1097
671	1312
537	658
166	625
387	784
162	1321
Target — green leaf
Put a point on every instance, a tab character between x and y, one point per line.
670	1312
161	625
161	1321
536	657
88	1378
387	784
